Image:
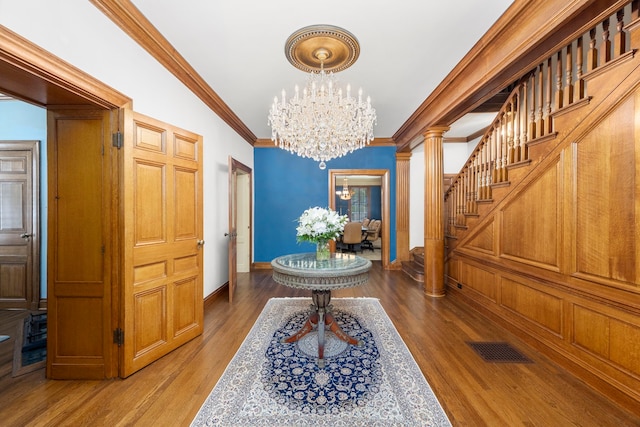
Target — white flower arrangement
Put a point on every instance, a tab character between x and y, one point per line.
320	224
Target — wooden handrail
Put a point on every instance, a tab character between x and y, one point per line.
527	114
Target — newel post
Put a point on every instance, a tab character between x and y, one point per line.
434	212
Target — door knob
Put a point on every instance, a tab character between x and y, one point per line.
25	235
200	243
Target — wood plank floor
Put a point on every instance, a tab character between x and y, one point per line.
473	392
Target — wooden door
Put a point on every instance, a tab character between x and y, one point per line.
80	244
243	222
163	226
233	227
19	225
239	196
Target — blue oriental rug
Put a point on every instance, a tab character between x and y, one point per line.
270	383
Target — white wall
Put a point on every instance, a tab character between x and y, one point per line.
80	34
454	154
454	157
416	197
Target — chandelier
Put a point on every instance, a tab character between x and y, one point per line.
345	194
323	122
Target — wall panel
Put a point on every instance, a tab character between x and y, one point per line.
530	222
535	305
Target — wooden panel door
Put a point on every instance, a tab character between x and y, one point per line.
19	225
81	229
239	194
233	232
163	226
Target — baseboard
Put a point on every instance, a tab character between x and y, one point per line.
213	296
261	266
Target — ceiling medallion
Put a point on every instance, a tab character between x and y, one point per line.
323	122
304	48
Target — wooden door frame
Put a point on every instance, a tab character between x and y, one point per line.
234	167
386	208
34	75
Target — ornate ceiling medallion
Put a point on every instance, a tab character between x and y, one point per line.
322	121
316	46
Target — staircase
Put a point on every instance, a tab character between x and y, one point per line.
542	222
414	268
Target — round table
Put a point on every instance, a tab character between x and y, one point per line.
304	271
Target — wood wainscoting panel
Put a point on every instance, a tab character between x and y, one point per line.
625	345
452	269
483	240
531	226
537	306
608	337
607	193
479	279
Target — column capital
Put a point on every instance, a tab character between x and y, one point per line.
403	156
435	131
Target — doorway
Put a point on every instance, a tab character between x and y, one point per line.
240	220
370	183
20	224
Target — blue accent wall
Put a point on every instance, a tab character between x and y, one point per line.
22	121
286	185
376	207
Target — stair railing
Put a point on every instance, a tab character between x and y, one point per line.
527	114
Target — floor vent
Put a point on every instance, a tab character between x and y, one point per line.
498	352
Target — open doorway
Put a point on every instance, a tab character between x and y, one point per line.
240	220
363	194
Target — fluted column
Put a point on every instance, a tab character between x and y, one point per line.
402	206
434	212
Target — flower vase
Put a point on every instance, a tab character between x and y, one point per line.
322	250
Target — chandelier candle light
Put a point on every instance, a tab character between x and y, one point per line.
323	122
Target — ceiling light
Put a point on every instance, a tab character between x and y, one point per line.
324	121
345	194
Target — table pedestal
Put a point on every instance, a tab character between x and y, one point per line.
322	319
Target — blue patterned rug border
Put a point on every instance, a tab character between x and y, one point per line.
239	398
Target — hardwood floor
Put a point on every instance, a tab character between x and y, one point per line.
473	392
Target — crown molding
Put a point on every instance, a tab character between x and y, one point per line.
527	32
34	75
125	15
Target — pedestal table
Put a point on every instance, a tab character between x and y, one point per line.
303	271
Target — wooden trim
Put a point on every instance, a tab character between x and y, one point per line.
125	15
215	295
261	266
44	79
386	196
527	32
455	140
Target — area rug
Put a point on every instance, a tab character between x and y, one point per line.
269	383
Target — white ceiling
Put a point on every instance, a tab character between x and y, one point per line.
407	47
